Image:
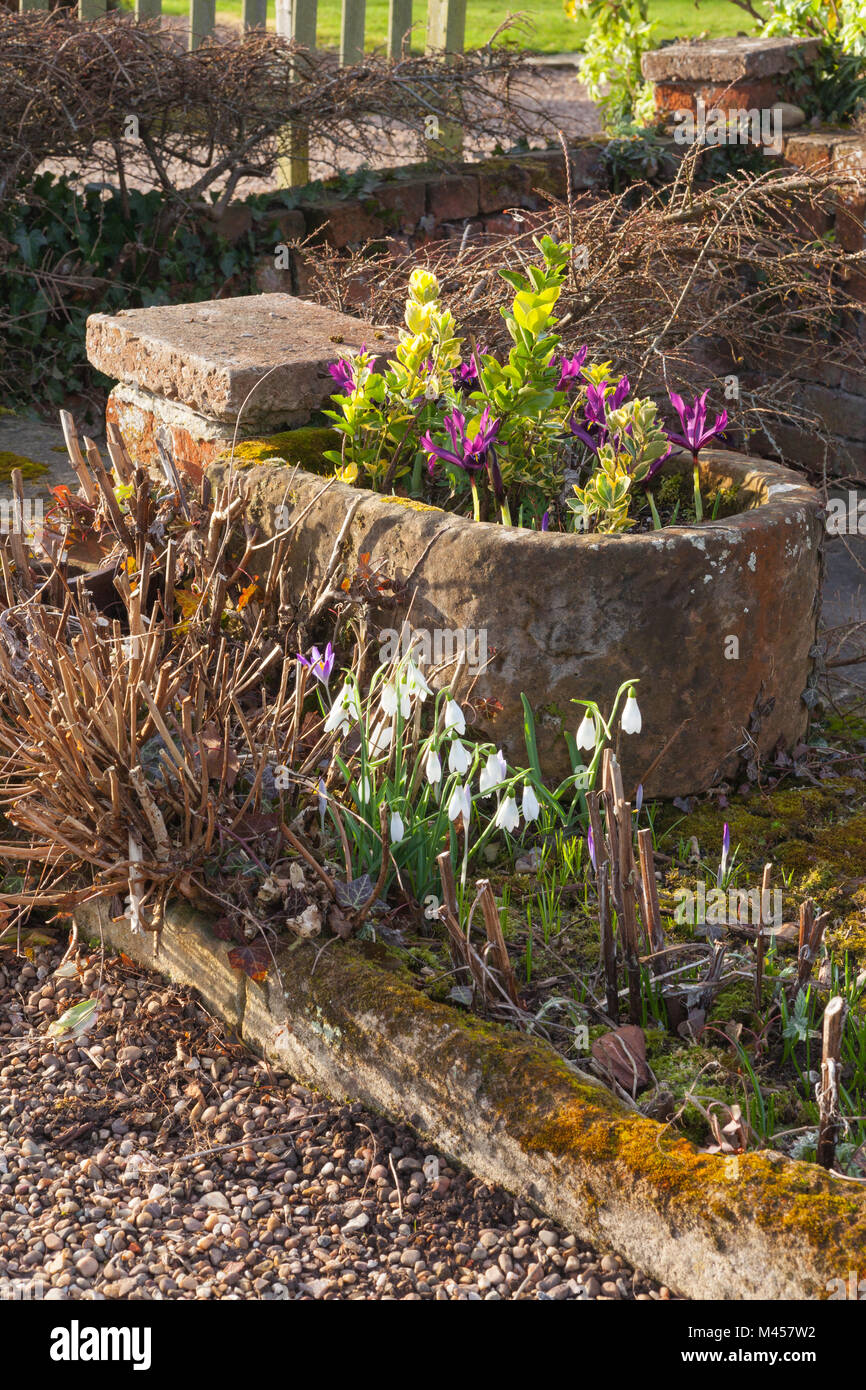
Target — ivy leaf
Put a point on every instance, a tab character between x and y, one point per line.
253	958
354	894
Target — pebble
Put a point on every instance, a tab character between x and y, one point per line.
120	1212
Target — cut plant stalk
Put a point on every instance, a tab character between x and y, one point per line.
828	1094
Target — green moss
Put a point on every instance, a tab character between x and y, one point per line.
816	836
301	448
412	503
29	467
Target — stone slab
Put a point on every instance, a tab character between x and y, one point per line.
195	440
211	356
726	59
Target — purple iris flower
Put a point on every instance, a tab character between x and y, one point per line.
693	419
569	369
343	375
321	666
468	454
466	375
595	412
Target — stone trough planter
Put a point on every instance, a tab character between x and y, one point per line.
349	1021
718	622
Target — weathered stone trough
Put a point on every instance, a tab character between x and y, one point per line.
718	622
350	1021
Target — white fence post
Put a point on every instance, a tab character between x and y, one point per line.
399	23
202	18
446	33
296	19
255	14
352	23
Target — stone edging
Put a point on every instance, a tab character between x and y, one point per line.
348	1019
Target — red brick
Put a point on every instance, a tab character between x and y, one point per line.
849	156
503	185
343	222
500	224
403	203
809	151
452	198
851	222
844	414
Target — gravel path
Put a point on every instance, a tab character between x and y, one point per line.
154	1158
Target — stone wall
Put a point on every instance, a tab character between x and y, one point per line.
418	203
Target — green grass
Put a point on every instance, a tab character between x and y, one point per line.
548	29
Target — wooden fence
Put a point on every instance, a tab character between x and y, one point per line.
297	19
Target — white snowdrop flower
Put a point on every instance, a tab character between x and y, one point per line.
586	734
529	804
416	682
460	804
405	700
397	829
388	700
380	738
508	816
433	767
631	721
493	773
455	720
458	758
346	705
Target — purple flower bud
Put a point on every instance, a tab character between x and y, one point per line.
590	841
343	375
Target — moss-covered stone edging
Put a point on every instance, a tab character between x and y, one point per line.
348	1020
570	615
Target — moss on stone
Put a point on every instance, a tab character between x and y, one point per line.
411	503
302	448
30	468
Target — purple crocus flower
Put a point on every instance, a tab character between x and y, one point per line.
321	666
693	419
465	453
726	849
569	369
343	375
590	842
545	521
